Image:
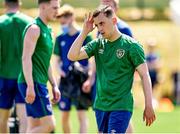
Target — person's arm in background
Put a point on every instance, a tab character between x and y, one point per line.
149	115
30	41
55	90
91	76
127	31
57	61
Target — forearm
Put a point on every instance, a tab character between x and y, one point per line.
51	77
27	71
92	70
75	49
147	89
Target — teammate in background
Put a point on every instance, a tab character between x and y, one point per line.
122	25
12	24
70	32
117	56
37	51
153	62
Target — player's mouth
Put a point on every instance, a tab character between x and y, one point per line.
103	33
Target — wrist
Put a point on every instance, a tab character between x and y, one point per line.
54	85
84	33
30	85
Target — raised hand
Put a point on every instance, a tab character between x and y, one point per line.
88	23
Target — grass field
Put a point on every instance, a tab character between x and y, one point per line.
166	122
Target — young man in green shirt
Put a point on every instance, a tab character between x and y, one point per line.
117	57
12	24
37	51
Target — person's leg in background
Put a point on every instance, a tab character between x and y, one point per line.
4	115
21	113
65	107
82	117
83	121
8	88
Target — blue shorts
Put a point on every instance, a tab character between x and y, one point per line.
112	122
41	106
9	93
65	104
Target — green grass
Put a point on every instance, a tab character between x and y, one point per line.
166	122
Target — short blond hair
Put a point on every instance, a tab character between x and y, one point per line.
65	11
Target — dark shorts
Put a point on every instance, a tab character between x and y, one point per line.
112	122
41	106
65	104
9	93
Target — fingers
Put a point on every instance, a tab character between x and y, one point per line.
149	120
89	17
56	97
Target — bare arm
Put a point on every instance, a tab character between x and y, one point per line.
149	114
55	90
91	76
30	40
76	51
51	77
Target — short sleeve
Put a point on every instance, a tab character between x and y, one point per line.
91	48
137	55
57	47
88	39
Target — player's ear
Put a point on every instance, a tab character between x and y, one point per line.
114	19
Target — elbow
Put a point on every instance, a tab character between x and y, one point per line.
71	57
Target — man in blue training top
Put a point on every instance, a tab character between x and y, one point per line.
70	32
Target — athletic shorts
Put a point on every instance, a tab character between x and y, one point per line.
9	93
41	106
112	122
65	104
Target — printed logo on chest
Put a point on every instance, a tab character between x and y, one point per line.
120	53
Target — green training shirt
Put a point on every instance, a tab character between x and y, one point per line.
42	54
12	26
115	66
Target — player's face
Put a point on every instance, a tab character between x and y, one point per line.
51	9
65	20
104	25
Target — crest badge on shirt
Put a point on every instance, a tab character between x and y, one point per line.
120	53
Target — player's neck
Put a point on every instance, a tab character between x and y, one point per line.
43	18
115	35
73	29
12	10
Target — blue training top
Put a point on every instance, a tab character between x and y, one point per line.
62	46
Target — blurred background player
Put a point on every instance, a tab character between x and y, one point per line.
32	81
122	25
70	32
12	25
152	58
